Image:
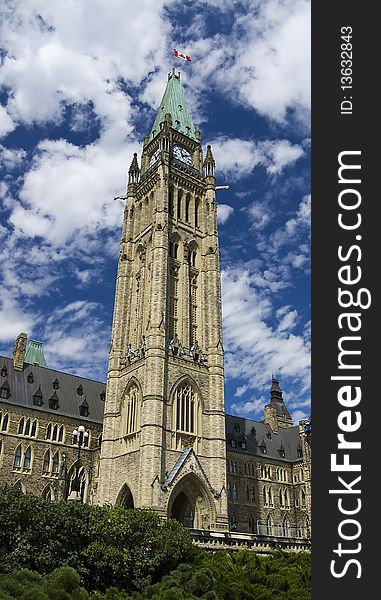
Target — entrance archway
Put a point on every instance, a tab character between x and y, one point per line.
191	504
183	511
125	497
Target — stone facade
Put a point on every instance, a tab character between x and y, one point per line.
39	410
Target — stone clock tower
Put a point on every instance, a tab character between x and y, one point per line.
163	441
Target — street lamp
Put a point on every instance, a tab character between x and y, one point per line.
80	436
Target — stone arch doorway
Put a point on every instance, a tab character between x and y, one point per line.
191	504
125	497
183	510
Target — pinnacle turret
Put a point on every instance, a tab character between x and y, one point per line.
134	171
209	163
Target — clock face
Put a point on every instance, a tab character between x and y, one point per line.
154	157
182	154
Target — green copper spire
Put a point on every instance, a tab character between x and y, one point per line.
35	354
174	102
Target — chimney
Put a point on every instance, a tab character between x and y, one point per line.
19	352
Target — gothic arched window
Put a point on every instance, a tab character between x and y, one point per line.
252	524
196	211
179	197
252	493
33	430
46	463
4	422
27	458
186	408
17	458
132	409
20	429
285	528
269	526
56	464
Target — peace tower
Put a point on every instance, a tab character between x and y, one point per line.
163	444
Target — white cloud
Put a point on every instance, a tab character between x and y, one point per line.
259	215
298	415
69	192
296	228
6	123
254	347
77	52
237	158
240	390
249	407
264	63
224	211
13	318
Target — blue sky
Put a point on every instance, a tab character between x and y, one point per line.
79	85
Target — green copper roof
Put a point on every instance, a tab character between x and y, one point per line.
35	354
174	102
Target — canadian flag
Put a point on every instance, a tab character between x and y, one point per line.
181	55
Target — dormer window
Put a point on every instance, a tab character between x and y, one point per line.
233	443
30	378
5	391
262	447
243	444
53	402
84	408
4	371
56	384
37	397
80	390
102	396
237	427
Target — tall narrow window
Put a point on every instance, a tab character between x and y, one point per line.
27	427
252	524
27	458
193	308
61	434
186	408
170	200
17	458
269	526
55	432
247	493
33	430
56	464
132	409
285	527
21	426
252	493
46	463
173	302
179	198
235	491
4	424
187	208
196	211
49	431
